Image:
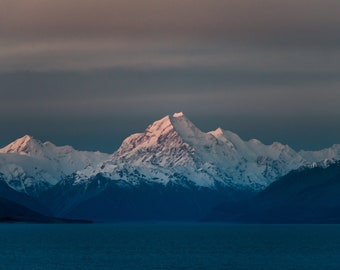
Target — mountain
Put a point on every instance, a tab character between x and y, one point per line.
171	171
27	165
173	150
22	198
309	195
174	166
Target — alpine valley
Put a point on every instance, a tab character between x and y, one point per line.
172	171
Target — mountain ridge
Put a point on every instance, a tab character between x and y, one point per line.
171	165
175	143
169	149
29	165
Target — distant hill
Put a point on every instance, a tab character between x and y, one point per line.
13	212
305	196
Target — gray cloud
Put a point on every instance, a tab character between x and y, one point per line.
98	54
179	17
40	35
104	69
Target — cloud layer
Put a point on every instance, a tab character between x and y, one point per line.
198	18
264	68
78	35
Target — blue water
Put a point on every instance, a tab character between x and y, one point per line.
169	246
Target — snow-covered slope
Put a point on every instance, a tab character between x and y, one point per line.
171	150
30	166
174	150
323	157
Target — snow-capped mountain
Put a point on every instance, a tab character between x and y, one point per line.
171	150
29	165
174	150
172	171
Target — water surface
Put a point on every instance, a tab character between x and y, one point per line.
169	246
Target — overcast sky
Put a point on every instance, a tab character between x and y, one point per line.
90	72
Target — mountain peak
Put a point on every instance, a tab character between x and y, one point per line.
177	122
21	146
160	126
179	114
217	132
26	137
166	140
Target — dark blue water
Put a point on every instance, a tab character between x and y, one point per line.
169	246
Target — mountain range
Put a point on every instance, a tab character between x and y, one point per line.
171	171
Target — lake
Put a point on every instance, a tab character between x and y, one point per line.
169	246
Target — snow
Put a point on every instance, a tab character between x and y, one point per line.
323	156
170	149
218	133
173	148
179	114
36	164
19	146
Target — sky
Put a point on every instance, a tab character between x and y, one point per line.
89	73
